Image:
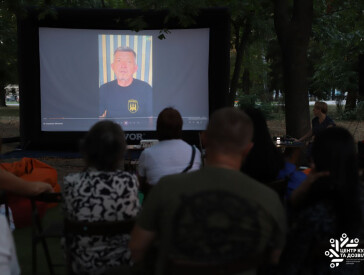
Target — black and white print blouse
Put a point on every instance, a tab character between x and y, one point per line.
100	196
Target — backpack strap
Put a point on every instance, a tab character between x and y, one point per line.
191	161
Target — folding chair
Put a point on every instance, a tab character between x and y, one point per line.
40	233
83	228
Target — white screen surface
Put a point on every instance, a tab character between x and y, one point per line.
74	63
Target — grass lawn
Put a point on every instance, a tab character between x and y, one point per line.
10	111
9	122
277	123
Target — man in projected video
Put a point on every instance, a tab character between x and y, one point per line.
125	96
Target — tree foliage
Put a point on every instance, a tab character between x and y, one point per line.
337	42
256	58
10	10
8	49
250	21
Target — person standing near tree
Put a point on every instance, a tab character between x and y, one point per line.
320	122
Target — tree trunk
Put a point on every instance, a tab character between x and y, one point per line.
296	97
293	32
246	82
351	100
240	44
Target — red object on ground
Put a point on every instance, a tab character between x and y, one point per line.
307	171
30	170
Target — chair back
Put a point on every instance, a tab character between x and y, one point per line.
104	228
55	197
85	228
41	233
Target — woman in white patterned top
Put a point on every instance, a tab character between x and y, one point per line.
103	192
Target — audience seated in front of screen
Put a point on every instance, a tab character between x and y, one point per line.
182	210
103	192
180	207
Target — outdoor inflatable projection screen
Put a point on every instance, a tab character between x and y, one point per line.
78	67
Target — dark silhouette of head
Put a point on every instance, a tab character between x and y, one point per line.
334	150
103	146
264	160
169	124
229	131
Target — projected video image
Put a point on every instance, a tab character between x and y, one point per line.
128	77
125	76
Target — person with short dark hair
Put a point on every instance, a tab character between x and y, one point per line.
103	192
125	96
104	146
320	122
171	155
169	124
215	214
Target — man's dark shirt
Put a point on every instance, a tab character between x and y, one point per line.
134	100
317	127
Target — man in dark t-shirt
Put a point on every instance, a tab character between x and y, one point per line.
215	214
125	96
320	122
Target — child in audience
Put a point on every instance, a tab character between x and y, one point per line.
103	192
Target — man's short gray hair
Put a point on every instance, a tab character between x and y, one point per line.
125	49
229	130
